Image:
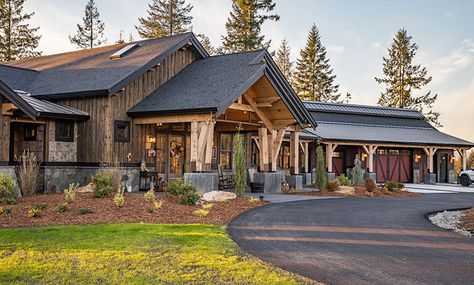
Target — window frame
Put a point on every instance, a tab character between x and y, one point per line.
118	124
57	136
28	138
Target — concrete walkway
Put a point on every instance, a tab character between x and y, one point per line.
284	198
439	188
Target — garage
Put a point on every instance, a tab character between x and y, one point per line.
393	165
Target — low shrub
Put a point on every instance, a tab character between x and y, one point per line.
207	206
343	180
159	204
28	173
150	196
332	186
370	185
2	211
186	193
390	186
85	211
149	210
201	213
34	213
254	200
40	205
63	207
119	198
101	185
7	189
400	185
70	192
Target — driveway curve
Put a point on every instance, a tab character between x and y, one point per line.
360	241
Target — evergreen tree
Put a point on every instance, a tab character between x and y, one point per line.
165	18
17	39
91	33
206	43
240	172
313	79
402	78
245	23
320	168
120	40
283	59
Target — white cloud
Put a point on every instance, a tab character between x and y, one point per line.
353	37
460	58
376	45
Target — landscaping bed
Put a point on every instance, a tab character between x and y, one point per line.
359	191
467	220
131	254
458	221
103	210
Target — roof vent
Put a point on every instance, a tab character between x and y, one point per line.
124	51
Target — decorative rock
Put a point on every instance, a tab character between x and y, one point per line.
449	220
346	190
85	189
218	196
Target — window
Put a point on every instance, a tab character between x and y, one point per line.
122	131
30	133
225	157
64	131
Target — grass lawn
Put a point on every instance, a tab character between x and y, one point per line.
130	254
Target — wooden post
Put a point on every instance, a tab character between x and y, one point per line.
464	160
306	157
263	153
329	154
201	146
194	145
370	150
209	144
294	152
430	151
5	138
271	151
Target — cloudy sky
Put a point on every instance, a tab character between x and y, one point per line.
355	32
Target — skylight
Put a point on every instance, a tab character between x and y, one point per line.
124	51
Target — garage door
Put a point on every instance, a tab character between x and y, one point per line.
394	165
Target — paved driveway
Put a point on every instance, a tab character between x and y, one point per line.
360	241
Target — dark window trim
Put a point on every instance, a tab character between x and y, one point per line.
56	131
126	124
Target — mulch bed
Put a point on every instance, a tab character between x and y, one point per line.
467	221
361	192
105	211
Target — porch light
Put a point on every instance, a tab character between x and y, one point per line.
151	139
364	156
417	157
451	158
159	124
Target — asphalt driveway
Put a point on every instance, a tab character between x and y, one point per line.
360	241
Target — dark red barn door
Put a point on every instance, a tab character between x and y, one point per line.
394	165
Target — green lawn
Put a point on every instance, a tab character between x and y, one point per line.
130	254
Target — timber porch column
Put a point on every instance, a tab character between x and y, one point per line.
464	160
370	150
430	177
294	152
263	153
202	135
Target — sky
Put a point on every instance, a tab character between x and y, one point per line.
356	34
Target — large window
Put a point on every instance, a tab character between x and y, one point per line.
122	131
64	131
225	157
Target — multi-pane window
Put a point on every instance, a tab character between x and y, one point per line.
122	131
64	131
30	132
225	156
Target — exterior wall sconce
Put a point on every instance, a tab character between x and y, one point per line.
364	156
151	139
417	157
451	158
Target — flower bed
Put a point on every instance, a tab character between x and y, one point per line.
86	209
359	191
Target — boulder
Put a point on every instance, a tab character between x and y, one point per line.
85	189
218	196
346	190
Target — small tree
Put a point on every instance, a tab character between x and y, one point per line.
357	172
320	168
240	173
90	34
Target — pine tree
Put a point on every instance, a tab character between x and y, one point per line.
165	18
283	59
17	39
91	33
402	78
245	23
313	79
206	43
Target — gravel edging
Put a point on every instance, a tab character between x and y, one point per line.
450	220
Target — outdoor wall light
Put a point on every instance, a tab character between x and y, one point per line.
364	156
151	139
417	157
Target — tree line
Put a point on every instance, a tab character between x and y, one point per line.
311	76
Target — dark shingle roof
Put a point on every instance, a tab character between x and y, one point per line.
359	123
212	84
91	72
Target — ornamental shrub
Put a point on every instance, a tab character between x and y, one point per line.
370	185
357	172
7	189
186	193
390	186
34	213
201	213
343	180
63	207
70	192
85	211
101	185
119	198
332	186
149	196
240	172
320	168
28	173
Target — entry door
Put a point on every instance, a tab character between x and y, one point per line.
177	151
443	168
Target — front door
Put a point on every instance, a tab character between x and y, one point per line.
443	168
177	150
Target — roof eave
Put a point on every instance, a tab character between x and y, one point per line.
18	101
136	114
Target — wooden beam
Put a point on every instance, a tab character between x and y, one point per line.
8	108
387	145
259	112
283	123
277	143
172	119
209	144
241	107
201	149
194	145
430	151
256	142
271	151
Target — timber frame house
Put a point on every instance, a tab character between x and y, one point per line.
167	103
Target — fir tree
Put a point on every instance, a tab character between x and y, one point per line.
320	168
245	23
206	43
17	39
240	172
402	78
165	18
91	33
313	79
283	59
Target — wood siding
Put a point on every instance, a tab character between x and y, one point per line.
4	135
96	138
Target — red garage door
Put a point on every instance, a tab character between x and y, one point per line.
394	165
